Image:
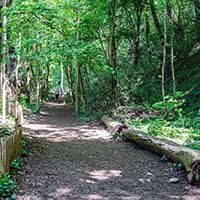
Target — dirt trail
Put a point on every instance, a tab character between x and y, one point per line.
69	160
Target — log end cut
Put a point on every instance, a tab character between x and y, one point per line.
193	176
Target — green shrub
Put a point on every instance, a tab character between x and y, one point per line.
7	185
174	104
16	164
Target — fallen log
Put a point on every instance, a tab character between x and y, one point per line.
113	126
189	158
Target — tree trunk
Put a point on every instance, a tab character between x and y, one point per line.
164	61
28	79
78	67
137	40
172	53
197	11
17	76
155	19
77	97
3	68
147	38
62	78
70	83
113	126
38	75
113	49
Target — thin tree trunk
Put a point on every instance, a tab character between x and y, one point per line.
197	11
4	62
113	48
172	53
17	76
137	40
61	77
37	76
46	84
70	83
78	67
147	38
38	85
155	19
164	60
77	102
1	56
28	79
82	90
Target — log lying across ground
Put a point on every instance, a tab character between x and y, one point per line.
177	153
112	125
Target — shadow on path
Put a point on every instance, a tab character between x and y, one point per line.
78	161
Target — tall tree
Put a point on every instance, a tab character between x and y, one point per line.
112	12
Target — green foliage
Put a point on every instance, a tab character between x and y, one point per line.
6	130
35	108
16	164
174	103
7	185
164	158
86	115
8	181
183	130
24	152
178	165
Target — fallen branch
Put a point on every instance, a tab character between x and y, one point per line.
177	153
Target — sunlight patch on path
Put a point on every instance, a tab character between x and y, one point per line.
102	175
57	134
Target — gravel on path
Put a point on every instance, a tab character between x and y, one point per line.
69	160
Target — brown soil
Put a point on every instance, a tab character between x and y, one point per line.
72	160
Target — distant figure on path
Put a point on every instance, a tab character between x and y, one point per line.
59	93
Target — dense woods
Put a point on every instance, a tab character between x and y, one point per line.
112	52
101	54
137	61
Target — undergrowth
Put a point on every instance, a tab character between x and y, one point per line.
171	123
184	131
8	180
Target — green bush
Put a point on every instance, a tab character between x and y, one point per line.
16	164
7	185
174	104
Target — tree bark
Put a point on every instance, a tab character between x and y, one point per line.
188	157
70	83
112	48
147	38
155	19
61	77
164	62
77	96
78	67
197	11
3	68
137	39
38	75
113	126
28	79
17	76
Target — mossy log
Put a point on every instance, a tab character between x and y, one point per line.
177	153
112	125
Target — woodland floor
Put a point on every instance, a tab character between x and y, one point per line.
72	160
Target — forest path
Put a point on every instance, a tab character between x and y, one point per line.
72	160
